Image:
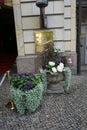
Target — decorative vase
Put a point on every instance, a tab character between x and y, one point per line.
54	79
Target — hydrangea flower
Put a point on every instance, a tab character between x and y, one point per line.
54	69
56	61
59	68
51	63
61	64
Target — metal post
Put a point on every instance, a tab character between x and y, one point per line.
42	13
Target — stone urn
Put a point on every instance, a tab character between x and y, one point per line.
54	80
59	80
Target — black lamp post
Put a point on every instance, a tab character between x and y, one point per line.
78	37
43	19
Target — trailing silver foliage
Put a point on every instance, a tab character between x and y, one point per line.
29	100
67	73
44	79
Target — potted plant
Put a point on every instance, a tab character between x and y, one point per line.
26	91
57	69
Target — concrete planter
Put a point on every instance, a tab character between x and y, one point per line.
55	81
54	78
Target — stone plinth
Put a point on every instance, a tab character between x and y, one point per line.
30	63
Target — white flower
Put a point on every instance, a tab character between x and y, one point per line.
51	63
61	64
54	69
59	68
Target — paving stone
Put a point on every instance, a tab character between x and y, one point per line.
57	111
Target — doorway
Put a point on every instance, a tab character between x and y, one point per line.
84	48
7	31
84	36
8	45
81	46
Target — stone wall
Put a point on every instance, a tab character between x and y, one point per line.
61	19
8	2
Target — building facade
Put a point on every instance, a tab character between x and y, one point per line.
61	20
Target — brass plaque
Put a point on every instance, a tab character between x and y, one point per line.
43	40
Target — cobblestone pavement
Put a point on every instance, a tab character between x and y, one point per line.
57	111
